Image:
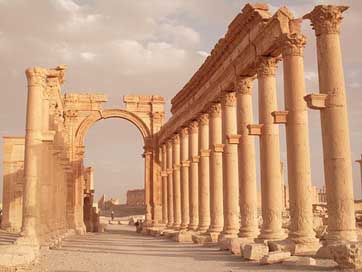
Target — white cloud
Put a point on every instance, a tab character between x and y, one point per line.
88	56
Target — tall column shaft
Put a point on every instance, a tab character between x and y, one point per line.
185	164
164	185
169	185
194	174
148	187
271	183
334	121
33	140
360	165
204	175
246	153
230	165
176	181
299	173
216	181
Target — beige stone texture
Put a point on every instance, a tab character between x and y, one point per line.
176	181
275	257
348	255
193	175
255	252
300	261
185	165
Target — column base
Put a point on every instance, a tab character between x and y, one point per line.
308	247
170	233
200	238
272	235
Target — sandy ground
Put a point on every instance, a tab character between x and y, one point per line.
121	249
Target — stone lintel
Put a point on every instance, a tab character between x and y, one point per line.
316	101
280	117
255	129
233	139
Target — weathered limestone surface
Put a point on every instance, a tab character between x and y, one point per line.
348	255
255	252
275	257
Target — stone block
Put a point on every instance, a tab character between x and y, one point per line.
348	255
200	239
183	236
235	245
17	255
255	251
275	257
309	247
300	261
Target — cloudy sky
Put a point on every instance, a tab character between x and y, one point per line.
124	47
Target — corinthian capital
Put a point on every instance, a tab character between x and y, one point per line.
229	99
326	19
267	66
244	85
194	126
176	139
215	110
293	44
184	131
36	76
203	119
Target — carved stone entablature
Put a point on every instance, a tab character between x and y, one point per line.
244	85
293	44
194	126
229	99
215	110
267	66
326	19
58	72
69	114
203	119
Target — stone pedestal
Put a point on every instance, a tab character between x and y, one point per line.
334	121
204	177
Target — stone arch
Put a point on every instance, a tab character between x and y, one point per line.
110	113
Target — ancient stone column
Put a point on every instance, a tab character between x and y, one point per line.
148	187
326	22
164	185
176	182
230	166
194	174
33	147
169	185
360	165
299	173
271	183
246	154
185	164
204	175
216	179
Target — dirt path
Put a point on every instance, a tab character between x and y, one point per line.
120	249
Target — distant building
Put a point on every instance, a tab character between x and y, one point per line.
136	197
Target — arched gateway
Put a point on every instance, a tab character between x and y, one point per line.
55	184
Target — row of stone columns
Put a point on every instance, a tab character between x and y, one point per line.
217	180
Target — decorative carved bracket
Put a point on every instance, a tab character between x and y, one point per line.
233	139
280	117
316	101
204	152
218	148
195	159
185	164
255	129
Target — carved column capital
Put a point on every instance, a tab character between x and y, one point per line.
184	132
229	99
176	139
193	126
169	143
326	19
267	66
215	110
203	119
293	44
244	85
36	76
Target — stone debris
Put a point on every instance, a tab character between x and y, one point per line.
275	257
300	261
348	255
255	251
